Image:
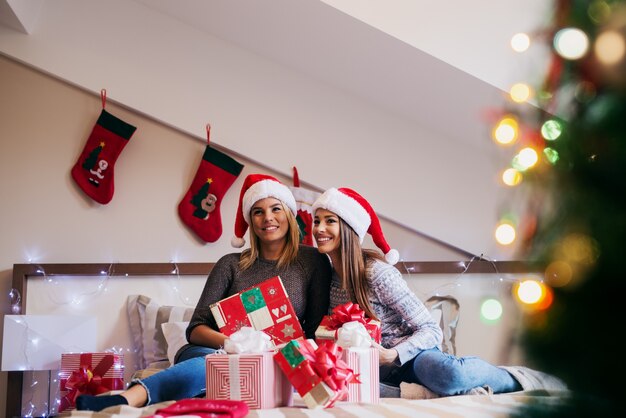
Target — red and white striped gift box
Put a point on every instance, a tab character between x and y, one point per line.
252	378
364	362
88	373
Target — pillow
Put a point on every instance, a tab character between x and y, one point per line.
445	312
175	337
145	317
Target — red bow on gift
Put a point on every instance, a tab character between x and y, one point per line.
322	364
333	370
86	381
347	312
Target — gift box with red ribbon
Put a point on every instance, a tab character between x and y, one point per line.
364	363
252	378
89	374
264	307
348	312
319	374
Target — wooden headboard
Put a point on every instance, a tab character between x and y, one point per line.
138	271
22	273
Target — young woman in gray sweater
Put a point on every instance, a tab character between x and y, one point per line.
268	209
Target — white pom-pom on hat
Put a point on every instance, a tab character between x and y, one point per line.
237	242
359	214
392	257
256	187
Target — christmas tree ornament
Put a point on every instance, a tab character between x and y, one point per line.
574	226
304	202
94	170
200	207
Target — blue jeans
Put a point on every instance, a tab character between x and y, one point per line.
185	379
448	375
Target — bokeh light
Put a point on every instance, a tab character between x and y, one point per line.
571	43
599	11
533	294
529	291
520	42
491	310
558	273
551	155
610	47
547	299
511	177
551	129
579	248
520	92
506	131
505	233
525	159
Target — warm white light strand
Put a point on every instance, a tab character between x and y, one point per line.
79	298
175	283
15	301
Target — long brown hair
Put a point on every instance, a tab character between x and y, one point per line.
354	261
290	251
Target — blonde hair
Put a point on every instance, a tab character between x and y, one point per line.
290	250
354	261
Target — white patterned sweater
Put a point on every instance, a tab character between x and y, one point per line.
406	323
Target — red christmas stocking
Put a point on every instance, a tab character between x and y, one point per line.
200	207
304	201
95	168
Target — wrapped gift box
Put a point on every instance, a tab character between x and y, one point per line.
318	374
364	363
89	373
349	312
252	378
264	307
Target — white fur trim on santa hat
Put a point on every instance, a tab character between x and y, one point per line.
392	257
347	209
263	189
237	242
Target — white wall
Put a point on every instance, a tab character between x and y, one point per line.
184	77
45	217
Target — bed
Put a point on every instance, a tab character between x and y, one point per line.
144	308
487	406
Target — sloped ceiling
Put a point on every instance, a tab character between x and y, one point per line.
390	60
441	78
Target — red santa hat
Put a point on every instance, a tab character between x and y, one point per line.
358	213
256	187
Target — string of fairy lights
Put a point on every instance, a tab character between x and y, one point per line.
72	296
533	138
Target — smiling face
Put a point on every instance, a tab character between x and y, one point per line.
269	221
326	231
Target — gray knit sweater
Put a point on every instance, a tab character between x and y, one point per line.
306	280
406	323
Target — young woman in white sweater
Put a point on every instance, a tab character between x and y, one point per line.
410	350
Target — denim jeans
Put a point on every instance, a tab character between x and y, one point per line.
185	379
448	375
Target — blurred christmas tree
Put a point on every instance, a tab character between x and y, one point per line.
572	157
